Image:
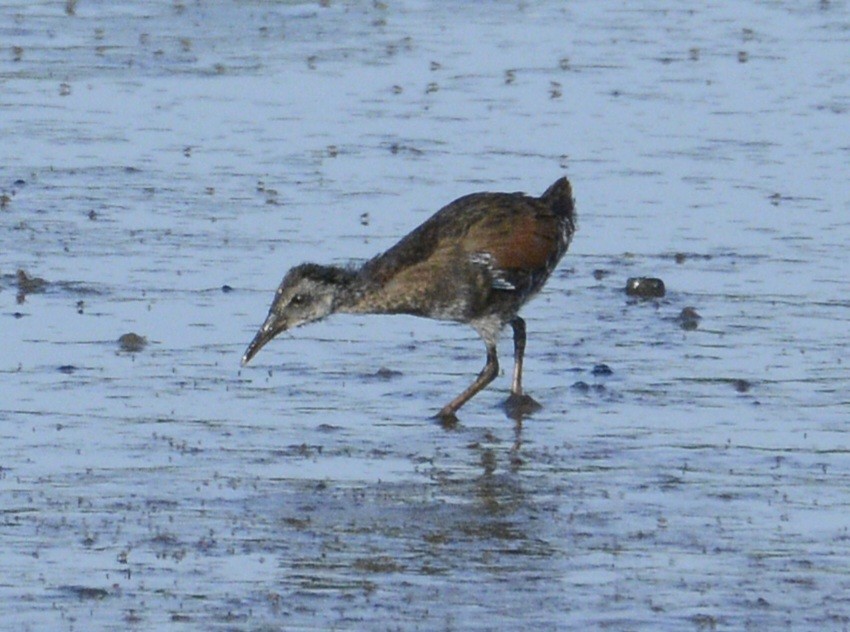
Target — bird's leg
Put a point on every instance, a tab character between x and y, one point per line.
519	405
518	325
487	375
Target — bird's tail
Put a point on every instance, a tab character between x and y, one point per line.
559	197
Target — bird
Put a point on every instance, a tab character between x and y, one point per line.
477	260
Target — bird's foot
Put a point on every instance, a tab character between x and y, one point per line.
447	419
518	406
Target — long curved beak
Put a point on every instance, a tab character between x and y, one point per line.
272	327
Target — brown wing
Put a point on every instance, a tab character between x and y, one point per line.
525	240
449	265
445	229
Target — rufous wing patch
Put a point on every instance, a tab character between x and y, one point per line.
526	243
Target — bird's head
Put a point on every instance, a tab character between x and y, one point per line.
307	293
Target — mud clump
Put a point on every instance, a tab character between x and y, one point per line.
688	319
132	342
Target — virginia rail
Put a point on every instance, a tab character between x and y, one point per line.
477	261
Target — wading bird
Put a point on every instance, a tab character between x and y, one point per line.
476	261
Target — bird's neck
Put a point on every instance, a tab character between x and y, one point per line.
348	288
354	291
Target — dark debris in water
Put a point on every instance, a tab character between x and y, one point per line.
682	257
386	374
583	387
742	386
301	450
27	284
379	564
84	592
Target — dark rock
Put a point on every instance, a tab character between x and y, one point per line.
28	285
645	287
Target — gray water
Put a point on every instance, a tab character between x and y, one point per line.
156	154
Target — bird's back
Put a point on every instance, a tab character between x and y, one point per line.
483	252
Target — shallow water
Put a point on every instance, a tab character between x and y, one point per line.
154	153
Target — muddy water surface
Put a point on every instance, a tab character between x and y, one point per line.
163	164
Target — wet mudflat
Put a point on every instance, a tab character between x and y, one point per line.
164	164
